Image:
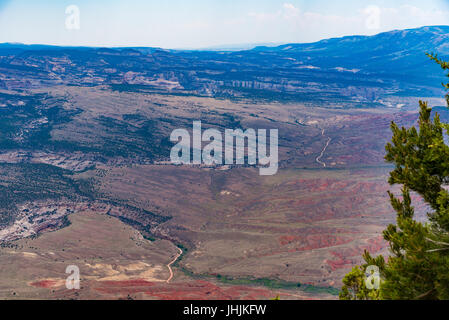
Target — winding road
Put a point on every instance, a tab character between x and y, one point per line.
169	265
318	159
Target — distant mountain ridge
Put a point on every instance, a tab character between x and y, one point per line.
423	38
372	52
428	37
352	70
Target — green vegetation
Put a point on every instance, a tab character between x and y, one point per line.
135	136
275	284
30	182
267	282
183	254
149	238
26	121
271	283
419	262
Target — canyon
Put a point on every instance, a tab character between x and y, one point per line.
86	177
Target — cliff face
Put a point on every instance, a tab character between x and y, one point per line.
347	70
86	131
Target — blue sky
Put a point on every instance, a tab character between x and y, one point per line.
205	23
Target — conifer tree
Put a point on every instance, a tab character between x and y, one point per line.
418	264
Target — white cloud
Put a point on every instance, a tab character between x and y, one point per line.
295	25
289	11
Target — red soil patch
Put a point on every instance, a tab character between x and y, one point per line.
194	290
347	257
45	283
129	283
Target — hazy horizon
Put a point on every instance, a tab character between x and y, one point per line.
220	47
203	24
